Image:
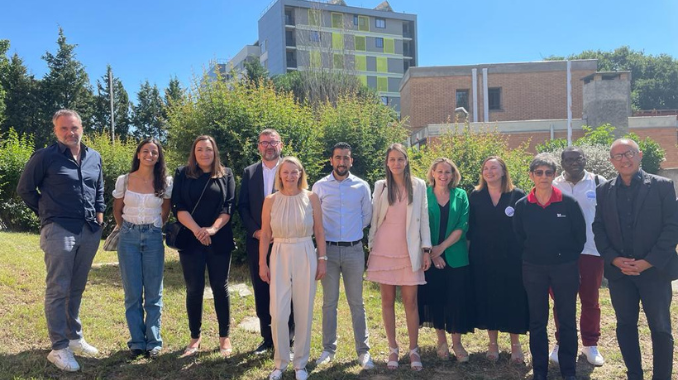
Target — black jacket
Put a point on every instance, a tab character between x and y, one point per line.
250	203
655	225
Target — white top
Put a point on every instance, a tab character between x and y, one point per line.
141	208
584	192
269	177
346	205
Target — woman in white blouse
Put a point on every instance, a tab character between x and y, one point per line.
141	207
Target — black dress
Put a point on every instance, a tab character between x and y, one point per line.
446	300
496	264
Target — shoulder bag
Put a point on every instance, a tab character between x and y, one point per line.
111	243
176	235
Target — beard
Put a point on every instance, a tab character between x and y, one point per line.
271	155
341	171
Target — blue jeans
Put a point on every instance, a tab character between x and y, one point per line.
141	254
68	258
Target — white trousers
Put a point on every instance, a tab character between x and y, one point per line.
293	268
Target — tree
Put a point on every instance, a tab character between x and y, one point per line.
148	115
66	85
654	79
255	72
4	46
102	107
173	93
22	99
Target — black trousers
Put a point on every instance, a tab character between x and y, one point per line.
262	294
194	260
654	291
563	279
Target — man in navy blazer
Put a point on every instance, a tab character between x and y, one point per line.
257	182
636	232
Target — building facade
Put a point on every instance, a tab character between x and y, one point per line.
377	45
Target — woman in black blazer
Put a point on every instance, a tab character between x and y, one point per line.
203	200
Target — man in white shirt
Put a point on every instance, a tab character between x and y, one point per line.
581	185
347	210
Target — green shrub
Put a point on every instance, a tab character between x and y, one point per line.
653	154
597	160
15	151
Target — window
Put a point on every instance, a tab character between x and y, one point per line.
360	43
263	46
338	61
384	100
315	60
314	17
462	99
382	84
382	65
494	98
389	45
379	23
355	20
337	20
379	42
315	36
337	41
364	23
360	63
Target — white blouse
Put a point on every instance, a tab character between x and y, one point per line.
141	208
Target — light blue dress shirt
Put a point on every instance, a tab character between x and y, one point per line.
346	206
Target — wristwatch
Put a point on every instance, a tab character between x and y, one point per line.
427	250
322	257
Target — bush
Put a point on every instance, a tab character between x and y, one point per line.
15	151
597	160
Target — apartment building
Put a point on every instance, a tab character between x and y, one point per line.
377	45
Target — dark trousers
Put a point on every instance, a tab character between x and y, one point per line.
654	291
193	262
591	277
563	279
262	294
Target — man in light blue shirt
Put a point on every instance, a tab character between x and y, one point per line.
347	210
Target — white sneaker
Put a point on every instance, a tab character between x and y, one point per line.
325	358
82	348
365	360
301	374
277	374
593	356
554	355
63	359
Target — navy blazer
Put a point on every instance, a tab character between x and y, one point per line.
655	230
250	203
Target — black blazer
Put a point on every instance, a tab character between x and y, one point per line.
655	232
250	203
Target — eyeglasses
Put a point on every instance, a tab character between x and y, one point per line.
573	160
628	154
540	173
266	144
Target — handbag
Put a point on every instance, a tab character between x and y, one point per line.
176	235
111	243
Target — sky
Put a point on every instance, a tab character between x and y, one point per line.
156	40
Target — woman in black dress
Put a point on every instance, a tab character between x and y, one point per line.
500	299
210	186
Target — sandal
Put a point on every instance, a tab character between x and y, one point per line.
191	349
517	356
415	364
492	352
393	364
460	353
225	351
443	351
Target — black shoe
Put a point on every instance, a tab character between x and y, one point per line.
571	377
539	376
136	353
264	347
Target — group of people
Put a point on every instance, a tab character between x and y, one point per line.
489	260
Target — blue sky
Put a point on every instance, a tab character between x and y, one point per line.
155	40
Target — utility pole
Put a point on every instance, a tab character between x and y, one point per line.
110	93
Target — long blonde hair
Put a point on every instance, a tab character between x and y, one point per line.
456	176
302	183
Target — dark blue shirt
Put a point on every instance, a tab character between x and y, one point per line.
60	191
626	196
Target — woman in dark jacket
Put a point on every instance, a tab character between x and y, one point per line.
551	230
202	200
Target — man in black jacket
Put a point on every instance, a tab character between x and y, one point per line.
636	232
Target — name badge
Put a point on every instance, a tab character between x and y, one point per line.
591	194
509	211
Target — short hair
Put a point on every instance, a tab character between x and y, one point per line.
543	159
302	183
341	145
572	149
268	132
192	169
506	182
65	112
625	141
456	176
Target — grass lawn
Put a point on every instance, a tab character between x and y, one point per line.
24	343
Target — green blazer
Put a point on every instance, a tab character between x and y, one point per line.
457	254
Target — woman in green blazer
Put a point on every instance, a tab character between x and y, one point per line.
446	302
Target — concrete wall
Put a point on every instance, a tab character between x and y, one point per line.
272	39
671	174
608	101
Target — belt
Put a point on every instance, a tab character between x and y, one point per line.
344	243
